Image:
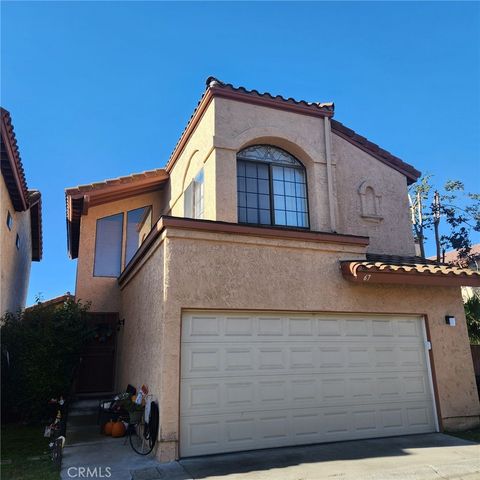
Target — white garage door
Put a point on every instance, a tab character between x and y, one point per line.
252	381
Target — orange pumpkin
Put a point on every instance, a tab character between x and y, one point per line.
107	429
118	429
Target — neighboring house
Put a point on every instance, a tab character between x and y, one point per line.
472	262
20	223
53	302
276	299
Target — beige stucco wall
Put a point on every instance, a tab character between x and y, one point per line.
202	270
393	233
103	292
14	264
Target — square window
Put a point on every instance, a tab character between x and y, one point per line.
9	221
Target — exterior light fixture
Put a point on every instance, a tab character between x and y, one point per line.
450	320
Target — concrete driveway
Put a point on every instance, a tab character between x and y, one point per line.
413	457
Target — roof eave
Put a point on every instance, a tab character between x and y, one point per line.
359	274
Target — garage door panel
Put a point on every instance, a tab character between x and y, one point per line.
200	397
233	432
238	359
218	327
263	380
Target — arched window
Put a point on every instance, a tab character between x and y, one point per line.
271	187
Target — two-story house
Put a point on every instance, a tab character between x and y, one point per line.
20	223
266	285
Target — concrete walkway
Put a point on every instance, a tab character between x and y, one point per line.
85	447
418	457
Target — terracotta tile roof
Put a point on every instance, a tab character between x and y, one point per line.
373	149
11	164
55	301
215	87
80	198
115	182
452	256
408	270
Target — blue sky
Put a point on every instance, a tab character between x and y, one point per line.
98	90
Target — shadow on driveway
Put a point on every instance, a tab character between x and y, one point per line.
418	457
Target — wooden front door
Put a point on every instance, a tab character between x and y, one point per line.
96	372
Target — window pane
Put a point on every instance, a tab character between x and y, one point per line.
302	219
289	174
299	175
252	200
242	214
264	201
262	171
241	184
108	246
265	217
252	215
242	199
279	202
278	188
292	219
300	190
277	173
290	189
188	202
241	168
301	205
279	217
252	185
290	204
251	170
139	224
263	186
198	196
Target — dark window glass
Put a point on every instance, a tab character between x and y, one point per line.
139	224
17	242
108	246
271	187
9	221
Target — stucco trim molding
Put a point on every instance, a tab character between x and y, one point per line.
234	228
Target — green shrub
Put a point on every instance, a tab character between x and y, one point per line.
40	349
472	312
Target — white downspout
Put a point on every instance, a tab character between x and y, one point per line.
328	155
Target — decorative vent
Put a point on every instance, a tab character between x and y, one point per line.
370	202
